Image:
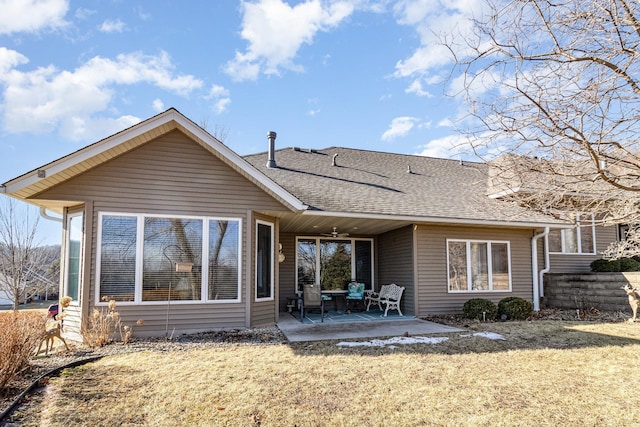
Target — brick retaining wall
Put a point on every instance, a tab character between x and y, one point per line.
585	290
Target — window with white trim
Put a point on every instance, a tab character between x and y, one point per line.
147	258
74	255
478	266
264	261
334	262
576	240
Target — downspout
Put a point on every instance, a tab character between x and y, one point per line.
534	267
45	215
547	265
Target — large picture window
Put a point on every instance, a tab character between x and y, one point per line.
577	240
152	258
334	262
478	266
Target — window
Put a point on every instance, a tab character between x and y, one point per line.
334	262
152	258
264	261
118	260
577	240
74	255
478	266
168	241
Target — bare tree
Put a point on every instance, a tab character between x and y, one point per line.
20	257
553	89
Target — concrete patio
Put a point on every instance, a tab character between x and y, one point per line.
295	331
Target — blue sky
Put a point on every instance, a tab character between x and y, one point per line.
364	74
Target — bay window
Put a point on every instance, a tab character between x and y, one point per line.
478	266
146	258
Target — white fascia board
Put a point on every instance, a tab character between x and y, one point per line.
436	220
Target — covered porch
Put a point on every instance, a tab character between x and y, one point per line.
333	251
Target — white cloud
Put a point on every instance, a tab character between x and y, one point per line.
276	31
416	87
448	147
84	13
400	126
220	106
111	26
445	123
10	59
46	99
157	105
220	96
431	20
32	15
77	128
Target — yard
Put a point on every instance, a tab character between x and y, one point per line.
546	372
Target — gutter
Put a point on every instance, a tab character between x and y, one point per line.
435	220
537	278
45	215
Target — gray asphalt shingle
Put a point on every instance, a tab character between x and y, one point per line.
371	182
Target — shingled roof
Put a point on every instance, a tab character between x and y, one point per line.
371	182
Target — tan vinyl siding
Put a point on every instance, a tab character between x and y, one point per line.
395	264
263	313
431	259
287	270
577	263
171	175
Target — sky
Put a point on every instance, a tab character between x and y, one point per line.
366	74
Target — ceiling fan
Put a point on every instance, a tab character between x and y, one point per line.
335	233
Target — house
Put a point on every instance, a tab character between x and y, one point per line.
189	236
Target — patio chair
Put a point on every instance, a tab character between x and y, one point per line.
355	295
312	298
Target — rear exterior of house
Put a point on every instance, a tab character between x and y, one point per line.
187	236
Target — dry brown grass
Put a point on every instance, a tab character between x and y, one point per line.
20	333
545	373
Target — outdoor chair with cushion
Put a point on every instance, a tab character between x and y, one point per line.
389	295
312	298
355	295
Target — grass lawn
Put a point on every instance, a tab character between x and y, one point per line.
546	373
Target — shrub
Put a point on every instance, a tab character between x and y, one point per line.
515	308
21	333
475	307
629	264
104	324
605	266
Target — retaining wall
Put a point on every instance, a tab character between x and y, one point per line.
586	290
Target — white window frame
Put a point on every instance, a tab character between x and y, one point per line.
140	256
271	296
579	230
318	239
70	216
470	289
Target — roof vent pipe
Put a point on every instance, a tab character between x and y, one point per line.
271	136
333	162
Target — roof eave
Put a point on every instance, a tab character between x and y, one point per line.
440	220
